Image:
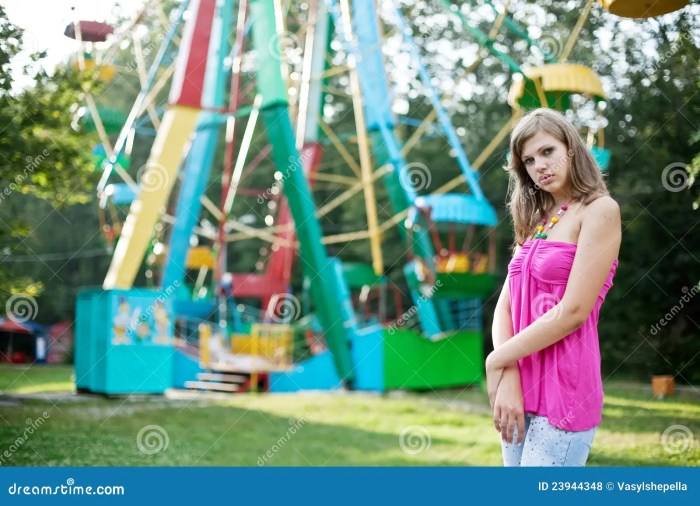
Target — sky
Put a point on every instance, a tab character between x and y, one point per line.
44	22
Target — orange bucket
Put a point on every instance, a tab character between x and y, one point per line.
661	386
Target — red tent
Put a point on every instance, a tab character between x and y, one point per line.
7	325
90	31
21	342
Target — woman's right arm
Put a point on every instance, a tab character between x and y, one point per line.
502	327
508	410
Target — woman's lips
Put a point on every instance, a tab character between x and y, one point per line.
545	179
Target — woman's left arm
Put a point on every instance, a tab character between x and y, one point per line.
598	247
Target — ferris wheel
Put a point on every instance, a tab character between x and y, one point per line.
279	116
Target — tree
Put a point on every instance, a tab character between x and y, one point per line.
41	153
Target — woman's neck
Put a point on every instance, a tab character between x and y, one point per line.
560	200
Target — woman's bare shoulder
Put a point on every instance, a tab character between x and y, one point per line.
604	205
603	214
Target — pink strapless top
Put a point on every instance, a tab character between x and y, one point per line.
563	381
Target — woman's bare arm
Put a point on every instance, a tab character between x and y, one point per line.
507	403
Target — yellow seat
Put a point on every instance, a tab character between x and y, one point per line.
204	331
642	8
200	256
104	72
273	342
481	263
556	82
458	262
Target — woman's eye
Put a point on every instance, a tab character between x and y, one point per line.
548	151
527	161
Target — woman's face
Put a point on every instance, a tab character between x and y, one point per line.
547	161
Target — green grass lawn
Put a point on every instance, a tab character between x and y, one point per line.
445	428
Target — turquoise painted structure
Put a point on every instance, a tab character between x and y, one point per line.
123	341
315	373
185	368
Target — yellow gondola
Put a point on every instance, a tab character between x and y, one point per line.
102	72
200	256
552	85
642	8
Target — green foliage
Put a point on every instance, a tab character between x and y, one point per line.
650	122
41	154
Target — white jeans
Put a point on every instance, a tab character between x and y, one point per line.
545	445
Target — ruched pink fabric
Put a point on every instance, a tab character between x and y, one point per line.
563	381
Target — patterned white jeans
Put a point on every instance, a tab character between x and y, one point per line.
545	445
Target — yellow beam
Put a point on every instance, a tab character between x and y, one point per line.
263	234
333	178
340	147
575	32
154	189
336	91
143	78
498	138
483	156
338	69
540	91
363	146
357	187
346	237
415	137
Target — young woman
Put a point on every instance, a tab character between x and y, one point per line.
544	379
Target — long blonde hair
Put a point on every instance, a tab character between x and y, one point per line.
528	203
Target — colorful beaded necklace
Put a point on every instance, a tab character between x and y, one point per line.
541	234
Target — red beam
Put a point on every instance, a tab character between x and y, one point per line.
188	81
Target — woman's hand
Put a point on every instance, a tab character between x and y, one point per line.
493	378
508	409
